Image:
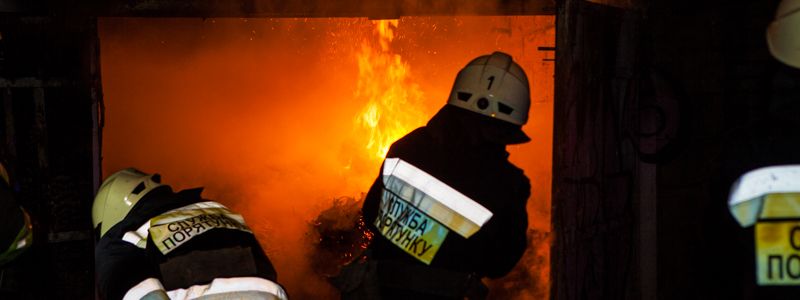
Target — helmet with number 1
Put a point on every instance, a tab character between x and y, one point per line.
118	194
494	86
783	34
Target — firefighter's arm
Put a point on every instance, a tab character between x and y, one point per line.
512	236
371	203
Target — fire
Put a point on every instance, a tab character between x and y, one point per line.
266	112
393	101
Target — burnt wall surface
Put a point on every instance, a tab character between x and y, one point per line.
660	106
48	100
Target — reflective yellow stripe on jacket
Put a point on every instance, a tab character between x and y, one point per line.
417	211
174	228
437	199
244	288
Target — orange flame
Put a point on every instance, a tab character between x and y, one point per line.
384	83
271	146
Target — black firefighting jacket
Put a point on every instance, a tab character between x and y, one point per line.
451	149
218	253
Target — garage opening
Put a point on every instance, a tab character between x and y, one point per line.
287	119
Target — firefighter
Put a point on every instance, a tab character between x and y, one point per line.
16	234
158	244
448	208
783	35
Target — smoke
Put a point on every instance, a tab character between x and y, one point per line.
261	112
529	278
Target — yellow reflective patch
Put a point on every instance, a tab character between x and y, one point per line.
432	207
409	228
746	213
175	228
781	205
778	253
437	199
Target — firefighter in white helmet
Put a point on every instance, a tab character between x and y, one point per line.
16	230
783	35
159	244
448	208
783	40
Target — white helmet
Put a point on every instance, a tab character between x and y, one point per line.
495	86
118	194
783	35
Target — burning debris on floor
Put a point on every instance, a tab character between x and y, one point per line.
338	235
373	82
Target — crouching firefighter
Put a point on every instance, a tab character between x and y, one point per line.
158	244
448	208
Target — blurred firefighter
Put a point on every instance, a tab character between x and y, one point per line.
448	208
159	244
783	35
16	234
774	136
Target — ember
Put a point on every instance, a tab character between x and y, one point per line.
276	117
339	235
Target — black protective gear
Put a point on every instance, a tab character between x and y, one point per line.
217	253
456	149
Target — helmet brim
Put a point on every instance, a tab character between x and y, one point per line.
518	137
502	132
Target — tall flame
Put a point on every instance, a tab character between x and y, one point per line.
275	148
384	82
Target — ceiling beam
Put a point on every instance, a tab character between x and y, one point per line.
376	9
